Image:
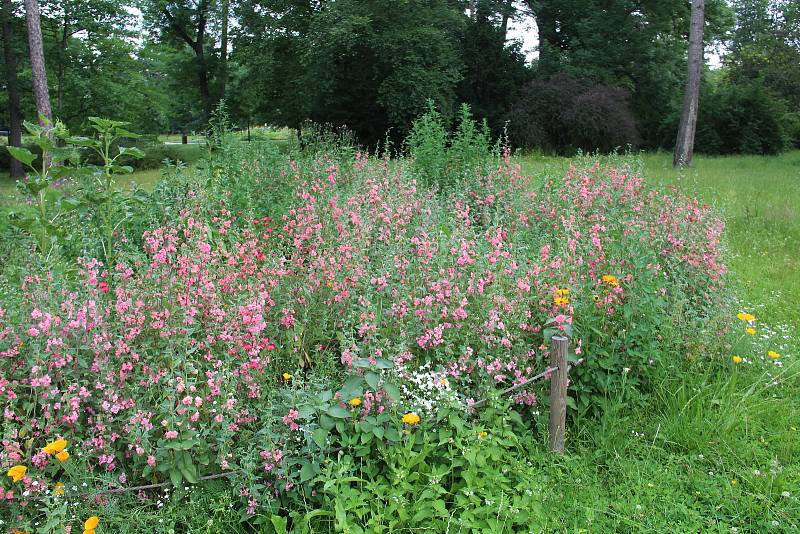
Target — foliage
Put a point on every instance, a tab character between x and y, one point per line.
564	114
745	119
446	160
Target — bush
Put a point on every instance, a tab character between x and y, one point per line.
737	119
563	114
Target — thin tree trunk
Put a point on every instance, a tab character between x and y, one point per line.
199	49
62	59
38	72
223	56
15	126
684	145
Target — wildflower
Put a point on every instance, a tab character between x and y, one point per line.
103	286
17	472
59	489
746	317
355	401
774	355
561	301
62	456
287	376
55	447
610	280
483	434
91	524
734	482
411	418
737	359
750	330
562	292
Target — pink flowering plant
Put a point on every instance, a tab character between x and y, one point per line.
254	343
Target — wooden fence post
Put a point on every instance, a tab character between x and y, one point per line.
558	392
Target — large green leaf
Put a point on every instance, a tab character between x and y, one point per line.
22	155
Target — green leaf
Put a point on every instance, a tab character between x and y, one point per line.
176	477
372	379
320	437
392	390
279	524
22	155
338	412
306	472
131	151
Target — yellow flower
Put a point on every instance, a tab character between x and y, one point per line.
411	418
355	401
62	456
483	434
89	531
750	330
562	292
610	280
734	482
91	523
746	317
287	376
444	382
774	355
55	447
59	489
17	472
737	359
561	301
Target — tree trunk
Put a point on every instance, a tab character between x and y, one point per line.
62	59
223	56
15	126
38	72
199	50
684	146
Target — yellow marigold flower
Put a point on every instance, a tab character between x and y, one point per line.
91	523
62	456
89	531
562	292
750	330
17	473
610	280
355	401
59	489
747	317
774	355
483	434
55	447
411	418
737	359
561	301
287	376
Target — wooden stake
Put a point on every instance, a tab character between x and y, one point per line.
558	392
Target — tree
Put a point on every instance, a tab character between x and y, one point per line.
15	122
189	23
38	72
684	146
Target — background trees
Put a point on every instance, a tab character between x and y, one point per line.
370	65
